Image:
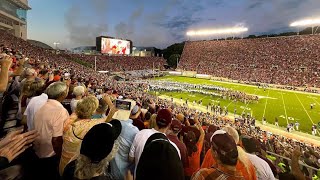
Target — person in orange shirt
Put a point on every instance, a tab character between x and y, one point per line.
224	151
194	149
244	164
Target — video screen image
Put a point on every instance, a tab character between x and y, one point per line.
115	46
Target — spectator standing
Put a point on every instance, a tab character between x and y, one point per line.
75	129
194	148
35	104
163	121
120	164
30	75
98	148
224	150
78	91
159	155
175	128
262	168
48	121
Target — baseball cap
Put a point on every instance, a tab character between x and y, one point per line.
225	146
122	114
176	125
98	142
164	117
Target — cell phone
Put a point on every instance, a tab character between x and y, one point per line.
124	105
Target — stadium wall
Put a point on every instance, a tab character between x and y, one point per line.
189	73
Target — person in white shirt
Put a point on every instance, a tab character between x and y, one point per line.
163	122
34	105
263	170
78	91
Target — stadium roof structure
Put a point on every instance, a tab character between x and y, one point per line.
207	32
21	4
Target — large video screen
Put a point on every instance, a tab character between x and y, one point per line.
115	46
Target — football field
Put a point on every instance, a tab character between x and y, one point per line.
288	106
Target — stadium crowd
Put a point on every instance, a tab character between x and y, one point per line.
60	120
121	63
291	60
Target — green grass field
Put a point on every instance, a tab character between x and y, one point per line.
288	106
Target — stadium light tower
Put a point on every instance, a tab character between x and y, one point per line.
56	44
207	32
306	22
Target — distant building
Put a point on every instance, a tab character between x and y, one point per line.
13	17
143	51
84	50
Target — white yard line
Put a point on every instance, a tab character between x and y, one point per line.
265	106
304	108
284	106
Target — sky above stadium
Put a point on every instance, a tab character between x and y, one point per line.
158	23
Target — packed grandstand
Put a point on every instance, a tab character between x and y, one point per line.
62	119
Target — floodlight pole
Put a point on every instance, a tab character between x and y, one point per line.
177	62
95	63
315	32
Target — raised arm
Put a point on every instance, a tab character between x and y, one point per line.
5	63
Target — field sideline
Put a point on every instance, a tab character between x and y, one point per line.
287	106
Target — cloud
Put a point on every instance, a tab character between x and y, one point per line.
127	29
81	30
169	22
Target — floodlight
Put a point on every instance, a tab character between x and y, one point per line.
217	31
306	22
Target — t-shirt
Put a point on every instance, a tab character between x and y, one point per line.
73	133
219	172
139	142
183	149
48	121
247	169
263	169
34	105
194	160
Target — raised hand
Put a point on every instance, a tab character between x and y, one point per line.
6	61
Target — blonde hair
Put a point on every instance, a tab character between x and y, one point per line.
86	107
85	169
153	123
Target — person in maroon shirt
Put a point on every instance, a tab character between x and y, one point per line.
190	126
172	135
